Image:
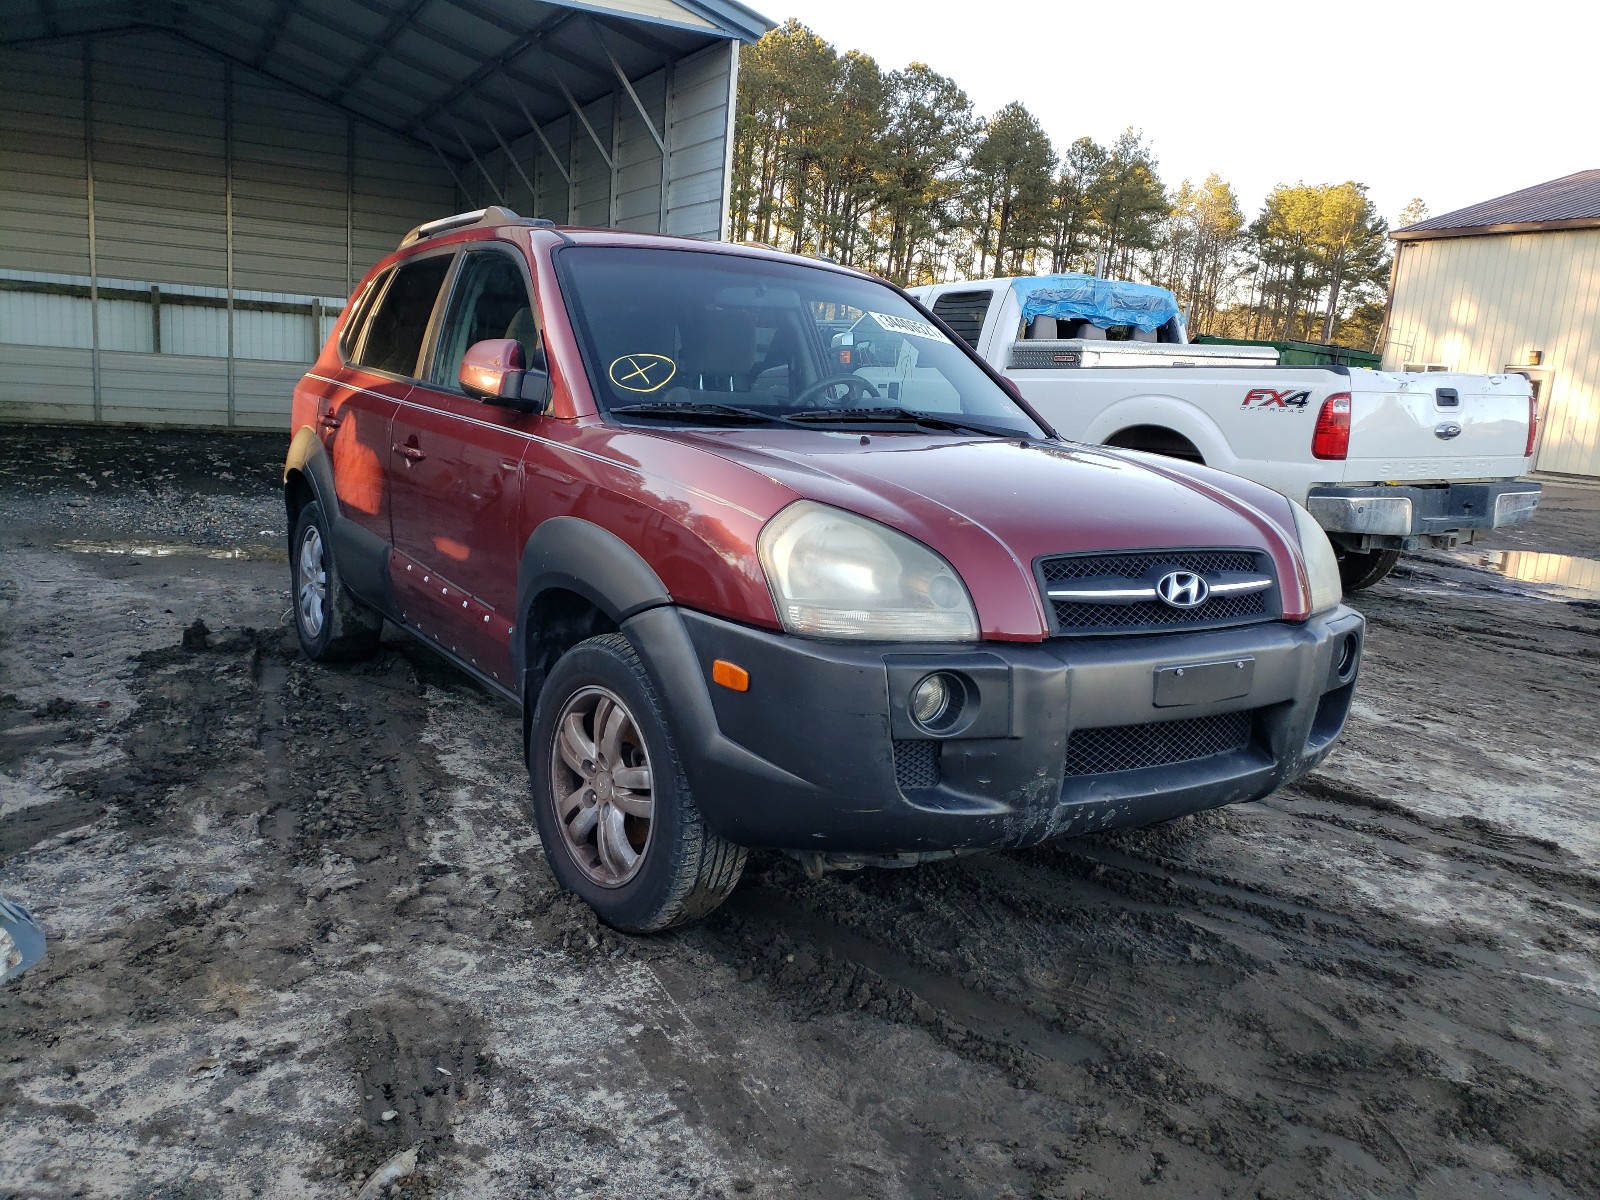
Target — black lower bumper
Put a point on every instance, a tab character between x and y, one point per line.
1057	738
1408	517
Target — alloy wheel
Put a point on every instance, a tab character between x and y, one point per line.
601	786
312	601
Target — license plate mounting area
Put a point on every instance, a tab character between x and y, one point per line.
1203	682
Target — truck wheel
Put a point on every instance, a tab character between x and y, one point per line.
1362	568
619	824
1153	439
333	625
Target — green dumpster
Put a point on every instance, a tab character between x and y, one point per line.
1311	354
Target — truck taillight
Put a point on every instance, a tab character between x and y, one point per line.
1331	438
1533	425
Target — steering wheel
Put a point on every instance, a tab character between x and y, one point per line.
835	388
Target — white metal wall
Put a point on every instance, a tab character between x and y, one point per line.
139	162
612	171
177	233
1481	304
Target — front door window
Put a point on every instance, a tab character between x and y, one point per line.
490	301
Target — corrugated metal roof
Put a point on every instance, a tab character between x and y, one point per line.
455	74
1571	202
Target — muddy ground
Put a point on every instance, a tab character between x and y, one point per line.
304	942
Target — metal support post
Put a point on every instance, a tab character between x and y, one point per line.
227	170
94	249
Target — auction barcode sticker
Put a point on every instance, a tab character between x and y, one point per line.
909	327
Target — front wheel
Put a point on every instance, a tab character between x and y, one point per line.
614	810
333	625
1362	568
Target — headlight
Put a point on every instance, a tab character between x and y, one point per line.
1322	568
836	575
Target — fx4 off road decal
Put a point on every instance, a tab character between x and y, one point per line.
1285	400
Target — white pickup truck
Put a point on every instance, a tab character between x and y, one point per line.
1386	462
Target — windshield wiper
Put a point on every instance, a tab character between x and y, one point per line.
902	416
699	408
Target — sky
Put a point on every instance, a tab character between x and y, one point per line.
1453	102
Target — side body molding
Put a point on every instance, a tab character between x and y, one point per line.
573	555
363	556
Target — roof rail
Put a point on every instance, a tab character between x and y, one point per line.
478	217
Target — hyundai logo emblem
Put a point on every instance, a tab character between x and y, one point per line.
1183	589
1447	431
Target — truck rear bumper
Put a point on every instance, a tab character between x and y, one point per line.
1063	737
1409	517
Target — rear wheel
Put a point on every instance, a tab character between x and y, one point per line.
333	625
1362	568
1153	439
615	813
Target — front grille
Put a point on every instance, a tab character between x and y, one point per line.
1074	617
1152	614
916	763
1134	566
1160	744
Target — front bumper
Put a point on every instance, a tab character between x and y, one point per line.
1409	517
1063	737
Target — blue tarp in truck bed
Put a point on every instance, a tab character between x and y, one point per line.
1102	302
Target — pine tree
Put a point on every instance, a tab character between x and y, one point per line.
1011	186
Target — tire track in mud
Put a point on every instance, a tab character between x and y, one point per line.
1247	955
925	992
419	1061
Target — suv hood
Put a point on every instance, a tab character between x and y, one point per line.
991	506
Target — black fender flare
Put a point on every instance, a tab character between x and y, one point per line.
362	555
308	457
574	555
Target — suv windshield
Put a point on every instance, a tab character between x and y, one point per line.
704	338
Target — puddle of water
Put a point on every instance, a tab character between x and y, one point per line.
155	550
1558	574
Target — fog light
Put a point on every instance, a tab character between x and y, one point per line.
930	699
1347	656
936	702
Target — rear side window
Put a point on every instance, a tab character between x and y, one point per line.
964	313
393	339
359	313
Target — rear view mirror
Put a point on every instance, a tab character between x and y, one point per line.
492	371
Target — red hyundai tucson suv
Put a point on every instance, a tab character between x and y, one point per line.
746	597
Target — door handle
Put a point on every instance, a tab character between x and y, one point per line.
413	453
328	421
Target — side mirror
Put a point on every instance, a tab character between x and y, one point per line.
492	371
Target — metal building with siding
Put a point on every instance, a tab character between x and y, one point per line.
1511	284
188	192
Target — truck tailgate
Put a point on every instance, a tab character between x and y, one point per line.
1436	426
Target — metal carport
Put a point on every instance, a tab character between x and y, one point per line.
188	191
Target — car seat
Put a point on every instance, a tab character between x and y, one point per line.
524	330
722	351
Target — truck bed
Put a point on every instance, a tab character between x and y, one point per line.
1069	353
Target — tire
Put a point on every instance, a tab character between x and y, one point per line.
1152	439
333	625
1362	568
614	810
